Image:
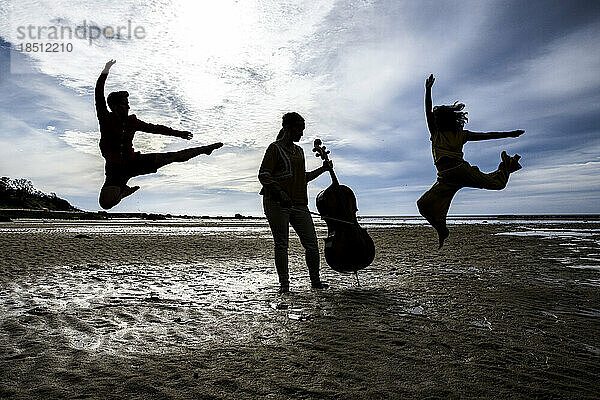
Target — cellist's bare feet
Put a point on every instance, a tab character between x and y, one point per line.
284	289
211	147
319	285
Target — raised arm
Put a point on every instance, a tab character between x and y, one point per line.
101	109
429	103
161	130
475	136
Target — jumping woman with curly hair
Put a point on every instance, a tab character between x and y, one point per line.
445	125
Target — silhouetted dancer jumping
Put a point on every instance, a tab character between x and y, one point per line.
117	129
445	125
285	199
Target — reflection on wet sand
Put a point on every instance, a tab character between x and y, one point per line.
191	310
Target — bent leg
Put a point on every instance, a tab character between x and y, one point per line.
278	218
302	223
110	196
434	205
497	180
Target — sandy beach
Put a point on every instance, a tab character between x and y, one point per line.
189	310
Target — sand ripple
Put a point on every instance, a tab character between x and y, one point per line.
154	311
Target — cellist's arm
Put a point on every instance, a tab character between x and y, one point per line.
310	175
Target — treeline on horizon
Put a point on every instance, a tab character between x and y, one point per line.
20	193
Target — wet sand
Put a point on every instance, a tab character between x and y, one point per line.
190	311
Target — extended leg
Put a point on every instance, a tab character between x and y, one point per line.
434	205
163	159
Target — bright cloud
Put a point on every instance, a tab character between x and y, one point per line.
228	70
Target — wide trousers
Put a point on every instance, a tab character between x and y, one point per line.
280	219
435	203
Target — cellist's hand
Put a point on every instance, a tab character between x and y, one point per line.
327	165
284	200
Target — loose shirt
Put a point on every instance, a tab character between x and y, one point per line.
284	170
116	135
447	144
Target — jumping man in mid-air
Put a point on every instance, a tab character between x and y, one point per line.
117	129
445	125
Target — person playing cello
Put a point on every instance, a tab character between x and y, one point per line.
284	179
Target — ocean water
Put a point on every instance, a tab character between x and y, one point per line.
531	226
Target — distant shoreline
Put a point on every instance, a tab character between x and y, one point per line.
10	214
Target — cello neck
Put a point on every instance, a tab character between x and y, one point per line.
334	179
321	151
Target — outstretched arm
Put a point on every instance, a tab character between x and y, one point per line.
99	91
161	130
475	136
429	103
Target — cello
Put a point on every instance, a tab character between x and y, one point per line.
348	246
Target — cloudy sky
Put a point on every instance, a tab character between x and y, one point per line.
227	71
